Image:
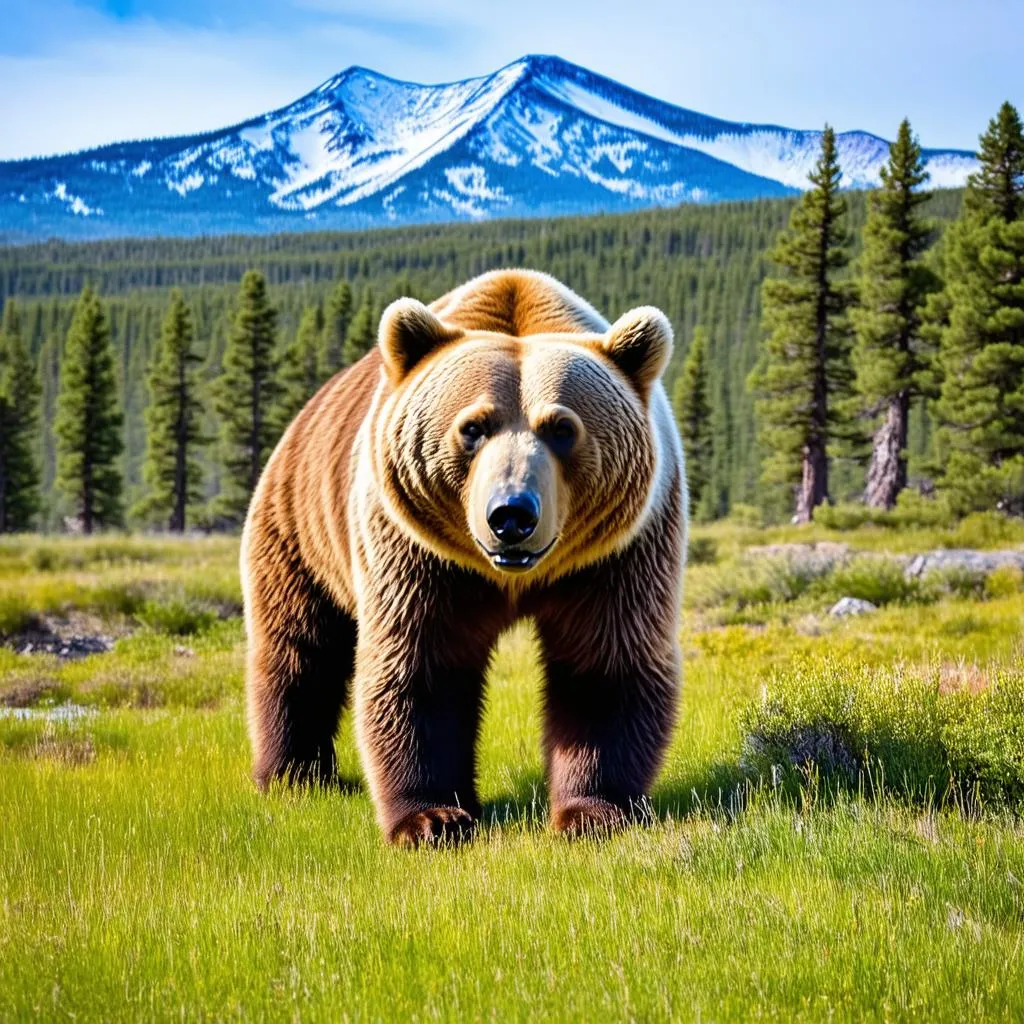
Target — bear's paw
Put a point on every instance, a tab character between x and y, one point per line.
587	816
434	826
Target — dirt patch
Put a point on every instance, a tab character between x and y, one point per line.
65	637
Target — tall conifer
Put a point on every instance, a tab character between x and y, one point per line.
336	323
981	351
693	414
299	373
803	371
246	394
362	332
19	422
172	472
889	357
89	420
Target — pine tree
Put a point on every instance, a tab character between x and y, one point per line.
246	393
89	421
803	372
171	472
299	374
49	378
716	503
362	332
889	358
981	351
19	421
335	332
693	414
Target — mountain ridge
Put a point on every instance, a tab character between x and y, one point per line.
538	137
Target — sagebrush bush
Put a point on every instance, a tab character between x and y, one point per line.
765	581
956	581
948	734
878	580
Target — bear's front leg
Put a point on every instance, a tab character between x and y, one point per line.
418	694
417	725
605	733
609	639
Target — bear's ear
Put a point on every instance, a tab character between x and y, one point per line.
640	344
408	332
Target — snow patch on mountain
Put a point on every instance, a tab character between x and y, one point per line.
75	204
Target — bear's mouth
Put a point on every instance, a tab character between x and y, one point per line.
515	559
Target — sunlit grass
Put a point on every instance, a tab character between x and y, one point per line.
142	877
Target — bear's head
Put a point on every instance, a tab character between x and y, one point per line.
521	457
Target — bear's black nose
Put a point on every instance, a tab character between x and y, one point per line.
513	517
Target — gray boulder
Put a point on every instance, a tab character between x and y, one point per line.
978	563
846	606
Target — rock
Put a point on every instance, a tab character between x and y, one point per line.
978	563
41	641
851	606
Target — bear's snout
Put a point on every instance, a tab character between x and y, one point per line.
513	516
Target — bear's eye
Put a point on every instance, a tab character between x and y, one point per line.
561	435
471	432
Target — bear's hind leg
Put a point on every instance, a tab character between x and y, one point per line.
299	671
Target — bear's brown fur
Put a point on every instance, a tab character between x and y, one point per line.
502	454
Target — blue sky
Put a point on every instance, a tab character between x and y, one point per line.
78	73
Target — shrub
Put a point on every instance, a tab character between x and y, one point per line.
986	530
113	599
912	510
176	617
956	581
922	735
701	551
762	582
747	516
845	516
1005	581
878	580
16	614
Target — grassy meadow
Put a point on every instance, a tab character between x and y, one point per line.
836	833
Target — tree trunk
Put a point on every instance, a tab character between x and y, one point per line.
87	501
887	474
814	483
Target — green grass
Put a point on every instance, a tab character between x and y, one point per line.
142	877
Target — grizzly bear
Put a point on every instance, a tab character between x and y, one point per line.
501	454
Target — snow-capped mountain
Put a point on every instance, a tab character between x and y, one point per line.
539	137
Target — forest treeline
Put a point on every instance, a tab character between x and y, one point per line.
704	265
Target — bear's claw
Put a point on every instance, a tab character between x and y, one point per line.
434	826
